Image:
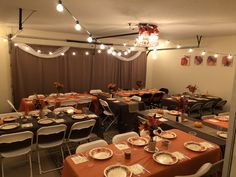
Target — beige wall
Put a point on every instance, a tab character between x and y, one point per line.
166	70
5	75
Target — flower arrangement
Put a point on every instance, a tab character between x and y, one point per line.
192	88
139	84
59	86
39	103
151	124
112	87
182	104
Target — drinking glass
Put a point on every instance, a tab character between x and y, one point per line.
119	156
166	144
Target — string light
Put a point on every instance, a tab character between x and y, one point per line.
50	53
132	48
77	25
167	42
102	46
109	51
62	54
73	53
16	44
86	53
99	51
26	48
59	7
203	53
178	46
114	53
125	53
229	56
216	55
112	48
129	51
119	54
190	50
39	51
90	39
124	44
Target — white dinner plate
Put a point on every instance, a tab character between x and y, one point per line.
101	153
224	118
45	121
146	148
111	99
138	141
165	158
195	146
9	126
78	116
10	118
222	134
117	171
165	134
156	115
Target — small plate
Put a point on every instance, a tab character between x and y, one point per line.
111	99
222	118
45	121
146	148
78	116
174	112
222	134
101	153
156	115
165	134
10	118
138	141
195	146
165	158
9	126
117	171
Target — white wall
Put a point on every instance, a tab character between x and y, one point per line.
5	74
166	70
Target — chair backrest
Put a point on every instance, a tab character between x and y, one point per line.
146	97
14	114
49	134
202	171
14	141
164	90
157	97
208	105
81	129
66	103
215	168
195	107
90	145
31	97
208	116
220	104
60	109
136	98
123	137
95	91
105	106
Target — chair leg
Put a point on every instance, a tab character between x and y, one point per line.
39	162
111	124
30	163
62	154
67	145
2	167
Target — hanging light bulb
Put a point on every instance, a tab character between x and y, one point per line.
73	53
132	48
203	53
129	51
190	50
229	56
216	55
125	53
167	42
90	39
60	7
119	54
124	44
39	51
112	48
102	46
99	51
114	53
178	46
77	25
50	53
86	53
62	54
109	51
15	44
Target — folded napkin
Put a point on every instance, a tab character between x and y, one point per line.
136	169
26	125
179	155
59	120
92	116
162	119
79	159
122	146
207	144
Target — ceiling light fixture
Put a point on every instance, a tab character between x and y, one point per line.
102	46
62	54
15	44
178	46
203	53
90	39
87	53
73	53
119	54
77	25
190	50
125	53
229	56
148	35
59	7
216	55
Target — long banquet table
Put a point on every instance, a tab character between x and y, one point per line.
27	104
138	155
217	123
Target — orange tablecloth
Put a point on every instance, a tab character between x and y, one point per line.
138	155
133	92
27	105
218	123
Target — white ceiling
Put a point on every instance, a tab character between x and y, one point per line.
175	18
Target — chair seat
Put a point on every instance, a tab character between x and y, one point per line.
107	113
16	153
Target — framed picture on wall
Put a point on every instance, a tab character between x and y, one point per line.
211	61
198	60
185	60
227	61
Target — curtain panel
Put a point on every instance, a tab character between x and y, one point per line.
80	72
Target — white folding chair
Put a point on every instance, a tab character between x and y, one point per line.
80	131
95	91
31	97
90	145
50	137
208	117
202	170
108	113
136	98
123	137
84	102
14	114
72	103
14	145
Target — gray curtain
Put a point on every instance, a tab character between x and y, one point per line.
80	73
